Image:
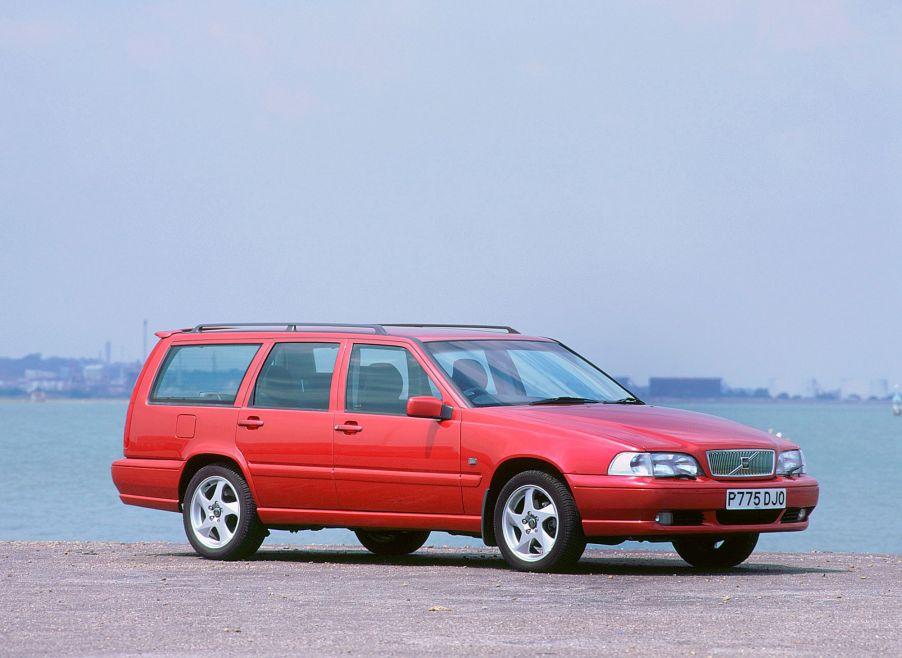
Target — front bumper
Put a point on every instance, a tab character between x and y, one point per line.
626	507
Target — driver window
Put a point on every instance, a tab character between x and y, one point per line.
381	378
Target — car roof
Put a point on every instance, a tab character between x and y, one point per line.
421	332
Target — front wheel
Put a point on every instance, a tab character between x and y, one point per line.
220	515
392	543
716	553
537	523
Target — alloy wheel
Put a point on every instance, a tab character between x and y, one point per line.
215	512
530	523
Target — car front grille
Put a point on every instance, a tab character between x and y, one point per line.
741	463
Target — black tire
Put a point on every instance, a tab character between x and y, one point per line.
569	540
392	542
716	552
249	533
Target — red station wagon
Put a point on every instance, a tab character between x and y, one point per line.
398	430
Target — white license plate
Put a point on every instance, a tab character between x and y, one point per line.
756	498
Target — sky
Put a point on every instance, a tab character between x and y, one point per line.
694	188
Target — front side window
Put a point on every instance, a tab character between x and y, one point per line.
296	376
202	374
381	378
511	372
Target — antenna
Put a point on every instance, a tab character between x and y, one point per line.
144	348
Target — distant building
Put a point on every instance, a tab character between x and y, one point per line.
94	373
37	375
685	387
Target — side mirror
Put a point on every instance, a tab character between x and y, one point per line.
428	407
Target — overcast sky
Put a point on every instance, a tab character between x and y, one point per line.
697	188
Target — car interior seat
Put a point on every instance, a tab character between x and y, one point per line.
381	387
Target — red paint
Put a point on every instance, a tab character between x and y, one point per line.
339	468
424	407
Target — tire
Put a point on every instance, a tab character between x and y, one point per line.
391	542
537	523
716	552
220	515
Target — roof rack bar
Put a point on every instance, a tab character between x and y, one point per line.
378	329
498	327
288	326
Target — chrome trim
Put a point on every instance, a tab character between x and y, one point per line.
748	463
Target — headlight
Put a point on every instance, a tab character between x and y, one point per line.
791	462
657	464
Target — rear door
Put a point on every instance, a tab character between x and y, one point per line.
285	427
386	461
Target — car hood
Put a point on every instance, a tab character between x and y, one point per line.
644	427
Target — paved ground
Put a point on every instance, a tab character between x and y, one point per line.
68	598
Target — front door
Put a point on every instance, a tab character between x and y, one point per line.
285	429
386	461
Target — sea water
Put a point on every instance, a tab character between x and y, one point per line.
55	473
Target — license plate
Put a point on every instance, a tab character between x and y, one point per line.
756	498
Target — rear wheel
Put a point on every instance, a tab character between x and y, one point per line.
537	523
390	542
220	515
716	552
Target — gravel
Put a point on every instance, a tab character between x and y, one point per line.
91	598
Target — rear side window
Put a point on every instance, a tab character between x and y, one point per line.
202	374
297	376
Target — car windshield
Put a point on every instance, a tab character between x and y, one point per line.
492	373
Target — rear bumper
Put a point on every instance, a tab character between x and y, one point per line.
148	482
621	507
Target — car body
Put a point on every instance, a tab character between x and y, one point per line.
340	446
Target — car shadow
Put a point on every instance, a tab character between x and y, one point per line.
595	563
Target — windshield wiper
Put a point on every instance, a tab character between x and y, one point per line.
628	400
565	399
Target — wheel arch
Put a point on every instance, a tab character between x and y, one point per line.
198	461
502	474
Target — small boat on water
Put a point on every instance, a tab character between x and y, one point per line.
897	403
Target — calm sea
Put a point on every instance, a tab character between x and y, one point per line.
56	476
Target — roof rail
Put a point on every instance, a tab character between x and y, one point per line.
288	326
312	326
495	327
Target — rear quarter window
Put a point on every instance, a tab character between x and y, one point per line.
202	374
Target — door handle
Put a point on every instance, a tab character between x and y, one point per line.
349	428
251	422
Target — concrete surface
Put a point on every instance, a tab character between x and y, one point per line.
66	598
